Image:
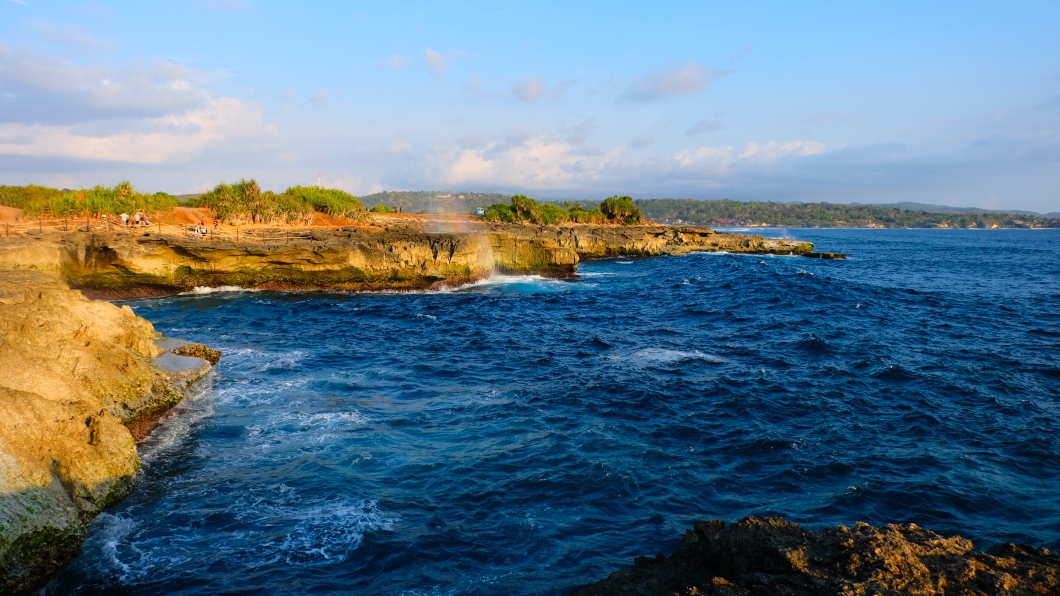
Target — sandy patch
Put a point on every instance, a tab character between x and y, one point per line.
10	214
185	215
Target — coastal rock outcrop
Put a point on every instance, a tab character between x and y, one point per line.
401	255
771	556
77	376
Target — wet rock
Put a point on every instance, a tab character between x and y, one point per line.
199	351
771	556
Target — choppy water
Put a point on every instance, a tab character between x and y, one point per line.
525	436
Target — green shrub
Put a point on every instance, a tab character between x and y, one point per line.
524	209
49	202
335	203
621	210
550	214
381	208
500	212
244	202
579	215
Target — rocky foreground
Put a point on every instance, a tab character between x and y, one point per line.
392	255
774	557
80	380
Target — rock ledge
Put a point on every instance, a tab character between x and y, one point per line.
774	557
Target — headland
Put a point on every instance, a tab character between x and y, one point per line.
385	253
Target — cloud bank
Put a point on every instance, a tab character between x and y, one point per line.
142	113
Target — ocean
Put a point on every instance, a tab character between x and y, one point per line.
528	436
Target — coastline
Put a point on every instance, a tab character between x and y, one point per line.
403	255
84	382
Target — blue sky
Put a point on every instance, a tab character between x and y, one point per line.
945	102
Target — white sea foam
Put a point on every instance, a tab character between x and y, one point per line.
624	262
423	316
200	290
662	355
173	430
284	525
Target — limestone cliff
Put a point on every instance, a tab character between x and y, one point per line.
404	255
771	556
75	374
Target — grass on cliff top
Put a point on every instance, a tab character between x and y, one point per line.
41	201
613	210
244	202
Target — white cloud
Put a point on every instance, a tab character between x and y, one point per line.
155	113
704	126
529	90
320	98
436	64
176	137
69	35
539	161
399	146
685	79
395	62
41	87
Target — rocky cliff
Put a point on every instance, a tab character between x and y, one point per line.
77	376
771	556
406	254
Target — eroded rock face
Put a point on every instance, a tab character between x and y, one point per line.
73	374
771	556
403	255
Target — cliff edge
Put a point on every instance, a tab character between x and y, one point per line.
78	377
394	255
774	557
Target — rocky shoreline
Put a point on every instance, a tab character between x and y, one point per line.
774	557
401	255
82	381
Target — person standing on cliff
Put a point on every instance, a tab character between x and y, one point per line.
124	219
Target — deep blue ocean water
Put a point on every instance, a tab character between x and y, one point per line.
527	436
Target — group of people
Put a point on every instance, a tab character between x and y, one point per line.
139	219
201	230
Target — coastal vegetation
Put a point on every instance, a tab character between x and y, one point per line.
42	201
826	215
381	208
613	210
244	202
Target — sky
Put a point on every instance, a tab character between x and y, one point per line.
954	103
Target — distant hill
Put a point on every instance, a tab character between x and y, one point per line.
928	208
435	201
830	215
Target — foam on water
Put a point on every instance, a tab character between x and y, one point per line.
203	290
